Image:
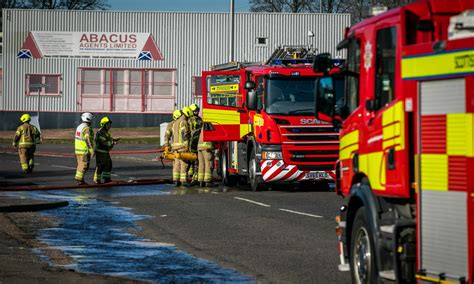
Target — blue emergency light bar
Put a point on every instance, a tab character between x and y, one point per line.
280	61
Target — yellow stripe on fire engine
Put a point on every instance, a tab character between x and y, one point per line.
459	134
349	143
373	165
224	88
393	122
220	116
437	65
434	172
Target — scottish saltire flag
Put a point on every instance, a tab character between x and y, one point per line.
24	53
145	55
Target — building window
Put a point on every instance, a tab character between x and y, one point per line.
127	90
197	86
261	41
43	84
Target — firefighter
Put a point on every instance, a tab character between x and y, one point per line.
181	135
103	144
205	159
26	138
195	125
169	130
84	146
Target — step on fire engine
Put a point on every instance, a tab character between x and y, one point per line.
406	162
262	118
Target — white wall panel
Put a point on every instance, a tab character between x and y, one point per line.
189	42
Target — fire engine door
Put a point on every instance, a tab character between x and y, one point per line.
387	152
223	101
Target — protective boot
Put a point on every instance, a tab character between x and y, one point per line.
211	184
177	183
202	184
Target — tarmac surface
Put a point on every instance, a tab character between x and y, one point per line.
218	235
54	167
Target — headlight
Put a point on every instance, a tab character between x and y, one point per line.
272	155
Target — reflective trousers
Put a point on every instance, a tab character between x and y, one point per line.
27	156
180	170
205	159
82	166
103	169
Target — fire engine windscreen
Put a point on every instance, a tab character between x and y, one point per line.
290	96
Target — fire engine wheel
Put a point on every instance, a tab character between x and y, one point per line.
227	179
256	181
363	268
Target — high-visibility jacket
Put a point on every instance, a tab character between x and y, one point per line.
26	136
180	134
103	141
83	139
169	133
204	145
195	125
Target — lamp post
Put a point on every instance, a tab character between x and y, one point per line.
231	33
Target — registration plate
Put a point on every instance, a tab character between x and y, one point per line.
317	175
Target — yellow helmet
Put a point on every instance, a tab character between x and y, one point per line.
187	111
194	108
25	118
105	120
176	114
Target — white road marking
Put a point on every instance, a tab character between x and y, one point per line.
301	213
63	167
251	201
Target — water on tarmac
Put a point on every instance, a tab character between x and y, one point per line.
98	235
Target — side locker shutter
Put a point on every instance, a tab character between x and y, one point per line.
446	144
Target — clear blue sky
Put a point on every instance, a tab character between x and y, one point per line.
179	5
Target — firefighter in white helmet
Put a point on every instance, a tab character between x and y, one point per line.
103	144
26	138
84	146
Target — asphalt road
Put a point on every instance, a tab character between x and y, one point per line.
278	236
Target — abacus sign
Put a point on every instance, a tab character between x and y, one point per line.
43	44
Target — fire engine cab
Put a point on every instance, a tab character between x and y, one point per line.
261	116
406	163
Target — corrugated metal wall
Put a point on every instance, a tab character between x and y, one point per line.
189	42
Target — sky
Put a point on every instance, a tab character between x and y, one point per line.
179	5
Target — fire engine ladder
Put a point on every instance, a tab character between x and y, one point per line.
232	66
291	53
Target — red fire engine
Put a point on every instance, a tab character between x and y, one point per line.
262	118
406	162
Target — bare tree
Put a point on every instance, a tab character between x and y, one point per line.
284	6
68	4
53	4
359	9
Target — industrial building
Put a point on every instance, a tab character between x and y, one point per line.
136	67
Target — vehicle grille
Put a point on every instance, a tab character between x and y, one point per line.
315	147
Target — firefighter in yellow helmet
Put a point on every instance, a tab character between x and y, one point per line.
205	160
103	144
169	137
195	125
181	134
84	146
26	138
169	130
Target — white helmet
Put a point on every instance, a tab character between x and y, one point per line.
87	117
